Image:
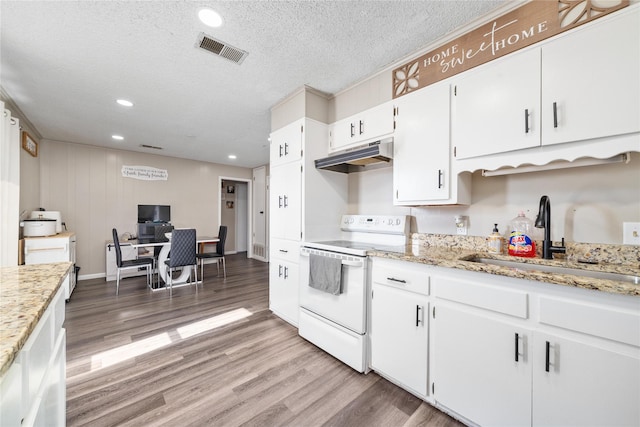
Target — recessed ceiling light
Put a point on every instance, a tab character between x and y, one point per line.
125	103
210	17
232	156
117	137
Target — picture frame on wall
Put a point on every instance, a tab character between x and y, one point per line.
231	189
29	144
229	204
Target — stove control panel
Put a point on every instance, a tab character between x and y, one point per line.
386	224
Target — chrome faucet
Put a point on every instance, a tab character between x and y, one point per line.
543	220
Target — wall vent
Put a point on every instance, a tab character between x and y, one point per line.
259	250
150	146
221	48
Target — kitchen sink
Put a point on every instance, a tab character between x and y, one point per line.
559	270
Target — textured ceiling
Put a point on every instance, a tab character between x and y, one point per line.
64	63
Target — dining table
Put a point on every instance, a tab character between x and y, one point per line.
184	278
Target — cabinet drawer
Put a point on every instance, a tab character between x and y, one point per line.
599	321
512	303
58	308
400	274
288	250
35	356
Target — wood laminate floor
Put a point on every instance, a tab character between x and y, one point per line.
213	357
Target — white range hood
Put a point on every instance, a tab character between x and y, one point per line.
354	160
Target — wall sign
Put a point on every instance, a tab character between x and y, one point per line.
529	24
145	173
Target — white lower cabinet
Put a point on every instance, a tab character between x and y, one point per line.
481	368
519	353
33	390
583	385
283	290
399	323
283	279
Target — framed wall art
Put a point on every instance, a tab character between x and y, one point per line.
29	144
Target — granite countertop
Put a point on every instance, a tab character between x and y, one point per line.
453	252
25	294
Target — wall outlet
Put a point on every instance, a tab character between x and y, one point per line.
462	222
631	233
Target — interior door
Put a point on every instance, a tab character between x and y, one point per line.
259	214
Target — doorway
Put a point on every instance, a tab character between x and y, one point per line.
234	211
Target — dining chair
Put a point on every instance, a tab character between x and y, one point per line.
218	255
159	232
182	253
142	262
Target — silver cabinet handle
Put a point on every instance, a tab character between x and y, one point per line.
526	121
393	279
555	114
353	130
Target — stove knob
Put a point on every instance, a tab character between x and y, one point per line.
397	221
390	221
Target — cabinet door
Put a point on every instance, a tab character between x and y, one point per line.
592	77
342	134
478	371
283	289
584	385
286	144
495	108
376	122
364	127
399	336
421	147
286	194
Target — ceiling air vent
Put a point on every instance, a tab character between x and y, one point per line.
220	48
150	146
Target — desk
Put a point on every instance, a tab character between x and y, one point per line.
164	255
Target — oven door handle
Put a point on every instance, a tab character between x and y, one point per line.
344	261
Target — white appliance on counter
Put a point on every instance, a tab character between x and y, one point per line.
338	323
50	215
58	248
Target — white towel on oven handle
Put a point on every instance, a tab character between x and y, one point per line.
325	274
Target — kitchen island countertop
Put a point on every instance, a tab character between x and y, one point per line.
25	294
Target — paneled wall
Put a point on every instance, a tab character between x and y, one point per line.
588	204
86	184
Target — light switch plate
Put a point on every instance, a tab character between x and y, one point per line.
631	233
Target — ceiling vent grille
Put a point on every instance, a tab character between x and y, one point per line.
221	49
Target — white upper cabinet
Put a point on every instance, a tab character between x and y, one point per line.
285	193
367	126
421	146
286	144
422	151
496	108
583	85
591	81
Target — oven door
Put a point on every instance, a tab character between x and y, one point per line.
348	308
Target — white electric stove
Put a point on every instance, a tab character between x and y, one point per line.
338	323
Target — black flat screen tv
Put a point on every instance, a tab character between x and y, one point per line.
154	213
